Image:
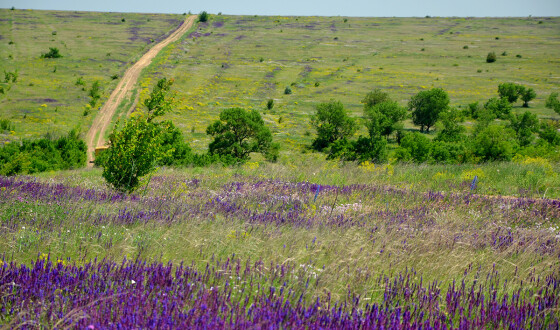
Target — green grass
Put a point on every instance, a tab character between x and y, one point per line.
248	60
95	46
344	257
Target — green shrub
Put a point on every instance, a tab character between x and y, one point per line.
46	154
495	142
52	53
287	90
491	57
553	103
270	104
501	108
417	146
332	123
203	17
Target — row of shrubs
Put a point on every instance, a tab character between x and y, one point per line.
40	155
498	133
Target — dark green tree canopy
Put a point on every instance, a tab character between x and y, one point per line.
332	123
240	132
375	97
553	103
510	91
384	118
501	108
527	96
426	107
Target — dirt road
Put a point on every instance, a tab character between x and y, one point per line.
96	133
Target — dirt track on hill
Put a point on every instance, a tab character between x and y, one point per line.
124	87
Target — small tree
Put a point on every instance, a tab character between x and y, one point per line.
524	126
426	107
384	118
495	143
375	97
203	17
332	123
510	91
553	103
135	149
501	108
491	57
528	95
452	131
240	132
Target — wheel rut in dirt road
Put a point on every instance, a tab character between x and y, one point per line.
96	133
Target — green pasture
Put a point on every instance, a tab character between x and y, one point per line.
95	47
242	61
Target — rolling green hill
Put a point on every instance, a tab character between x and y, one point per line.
244	61
95	47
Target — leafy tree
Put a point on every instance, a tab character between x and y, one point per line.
365	148
527	95
375	97
426	107
452	131
510	91
553	103
495	142
550	134
332	123
136	148
383	118
501	108
240	132
524	126
270	104
203	17
414	147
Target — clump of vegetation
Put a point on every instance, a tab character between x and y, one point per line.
511	92
52	53
203	17
94	93
332	123
491	57
6	125
270	104
553	103
426	107
135	149
46	154
287	90
10	76
238	133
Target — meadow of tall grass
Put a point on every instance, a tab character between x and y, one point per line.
278	246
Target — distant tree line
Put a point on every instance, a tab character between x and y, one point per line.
490	140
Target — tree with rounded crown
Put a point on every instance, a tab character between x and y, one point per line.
332	124
426	107
238	133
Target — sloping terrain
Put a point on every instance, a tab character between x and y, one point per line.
51	95
245	60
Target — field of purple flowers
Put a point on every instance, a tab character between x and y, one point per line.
244	252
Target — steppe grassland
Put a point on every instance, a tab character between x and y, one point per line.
244	61
95	47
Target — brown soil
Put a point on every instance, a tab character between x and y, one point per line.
125	86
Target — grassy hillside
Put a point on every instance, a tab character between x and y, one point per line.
244	61
95	47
